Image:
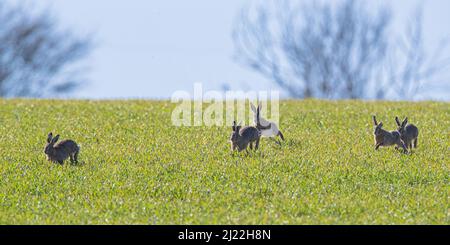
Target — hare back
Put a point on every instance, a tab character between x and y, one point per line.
67	146
249	133
391	138
262	121
411	131
273	131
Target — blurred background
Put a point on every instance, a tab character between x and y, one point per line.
341	49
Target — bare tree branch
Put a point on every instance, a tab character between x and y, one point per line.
36	56
341	51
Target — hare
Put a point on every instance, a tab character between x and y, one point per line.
408	133
263	124
62	150
242	137
386	138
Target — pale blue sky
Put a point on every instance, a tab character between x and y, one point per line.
149	49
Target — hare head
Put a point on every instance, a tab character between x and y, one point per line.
401	126
377	126
49	148
257	117
256	111
235	134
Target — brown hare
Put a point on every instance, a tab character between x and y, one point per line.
386	138
242	137
61	151
408	133
268	129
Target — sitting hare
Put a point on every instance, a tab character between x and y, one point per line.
386	138
408	133
62	150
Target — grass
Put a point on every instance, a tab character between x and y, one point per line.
139	169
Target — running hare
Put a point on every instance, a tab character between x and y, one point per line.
268	128
386	138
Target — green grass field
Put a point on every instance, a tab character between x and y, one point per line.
136	168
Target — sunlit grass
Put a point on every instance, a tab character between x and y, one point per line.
136	168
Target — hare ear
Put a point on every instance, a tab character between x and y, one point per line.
234	126
55	139
257	115
49	137
253	107
397	121
405	121
380	125
239	126
374	120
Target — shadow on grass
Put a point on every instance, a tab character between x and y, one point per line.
77	163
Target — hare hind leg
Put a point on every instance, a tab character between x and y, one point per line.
275	140
280	134
403	146
243	147
415	143
74	157
378	146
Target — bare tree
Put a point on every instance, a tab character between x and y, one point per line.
325	51
409	66
36	56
